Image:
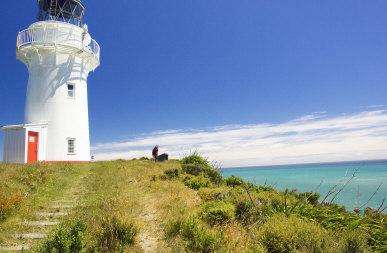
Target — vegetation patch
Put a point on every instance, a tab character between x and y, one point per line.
234	181
115	234
291	234
218	212
121	209
210	194
171	174
67	238
197	182
196	235
195	164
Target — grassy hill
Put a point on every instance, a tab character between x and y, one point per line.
175	206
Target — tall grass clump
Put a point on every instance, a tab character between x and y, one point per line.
196	235
68	238
292	234
115	234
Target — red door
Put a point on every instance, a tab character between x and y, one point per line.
33	143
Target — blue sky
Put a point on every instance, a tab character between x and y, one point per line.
200	66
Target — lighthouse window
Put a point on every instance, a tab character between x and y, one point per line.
70	90
71	146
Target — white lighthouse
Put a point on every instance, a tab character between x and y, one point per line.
59	54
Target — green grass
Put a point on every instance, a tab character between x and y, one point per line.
27	189
177	206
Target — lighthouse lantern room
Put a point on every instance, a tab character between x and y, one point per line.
59	54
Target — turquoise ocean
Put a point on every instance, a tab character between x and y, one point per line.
369	175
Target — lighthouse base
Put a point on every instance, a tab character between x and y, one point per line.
24	143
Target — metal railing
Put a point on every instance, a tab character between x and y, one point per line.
57	35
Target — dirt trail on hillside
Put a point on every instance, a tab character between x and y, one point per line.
150	237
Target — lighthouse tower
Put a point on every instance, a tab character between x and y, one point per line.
59	54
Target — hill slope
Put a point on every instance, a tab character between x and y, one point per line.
176	206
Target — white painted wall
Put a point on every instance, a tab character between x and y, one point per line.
50	70
14	146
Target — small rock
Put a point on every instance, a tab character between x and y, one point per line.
33	236
51	214
14	248
41	223
62	206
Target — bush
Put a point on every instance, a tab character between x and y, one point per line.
354	241
234	181
218	212
210	194
266	188
196	164
171	173
196	183
196	235
244	211
310	197
116	234
67	238
290	234
256	248
173	228
214	175
192	169
195	159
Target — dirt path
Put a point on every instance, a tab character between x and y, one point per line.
150	237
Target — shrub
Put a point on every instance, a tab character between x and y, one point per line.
171	173
310	197
195	164
213	174
210	194
248	212
173	228
116	234
266	188
196	235
67	238
256	248
196	183
244	211
354	241
234	181
290	234
218	212
195	159
192	169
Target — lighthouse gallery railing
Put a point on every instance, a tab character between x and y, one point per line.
63	36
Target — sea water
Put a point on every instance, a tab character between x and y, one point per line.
366	176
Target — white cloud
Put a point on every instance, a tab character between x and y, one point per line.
312	138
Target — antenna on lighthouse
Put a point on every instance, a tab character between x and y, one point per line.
69	11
